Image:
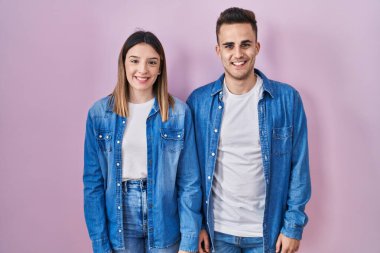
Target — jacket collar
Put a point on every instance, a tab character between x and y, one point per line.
267	84
111	102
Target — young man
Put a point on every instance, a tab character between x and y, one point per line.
251	137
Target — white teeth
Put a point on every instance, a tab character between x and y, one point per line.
141	78
238	63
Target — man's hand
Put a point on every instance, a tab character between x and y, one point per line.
286	244
204	242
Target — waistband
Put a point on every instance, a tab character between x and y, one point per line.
135	183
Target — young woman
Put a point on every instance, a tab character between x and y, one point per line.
141	175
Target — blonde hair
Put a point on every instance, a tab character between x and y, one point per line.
120	94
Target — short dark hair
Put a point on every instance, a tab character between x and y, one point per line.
235	15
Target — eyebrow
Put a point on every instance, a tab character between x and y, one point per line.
228	43
232	43
153	58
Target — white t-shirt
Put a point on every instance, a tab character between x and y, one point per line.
239	184
134	149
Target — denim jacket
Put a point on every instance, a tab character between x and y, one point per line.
284	148
173	179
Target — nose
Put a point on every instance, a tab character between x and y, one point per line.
142	68
238	52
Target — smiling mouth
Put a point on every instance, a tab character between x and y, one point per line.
239	63
141	78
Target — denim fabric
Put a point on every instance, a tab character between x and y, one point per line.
173	180
283	139
136	218
225	243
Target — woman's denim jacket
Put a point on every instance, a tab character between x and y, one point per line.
284	148
173	181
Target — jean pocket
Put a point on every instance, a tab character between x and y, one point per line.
282	140
172	139
104	138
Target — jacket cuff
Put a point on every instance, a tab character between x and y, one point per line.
292	231
101	246
189	243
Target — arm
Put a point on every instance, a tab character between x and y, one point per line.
204	241
189	190
94	202
299	193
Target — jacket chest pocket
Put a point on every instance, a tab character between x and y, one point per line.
282	140
104	140
172	139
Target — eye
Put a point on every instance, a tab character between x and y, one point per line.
245	45
153	63
229	46
133	61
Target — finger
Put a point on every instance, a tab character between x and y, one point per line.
200	249
278	244
207	244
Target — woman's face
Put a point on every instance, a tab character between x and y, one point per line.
142	66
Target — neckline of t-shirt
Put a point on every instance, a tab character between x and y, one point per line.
254	89
148	103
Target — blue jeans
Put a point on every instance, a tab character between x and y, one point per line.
135	218
225	243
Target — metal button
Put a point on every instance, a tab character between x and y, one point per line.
213	154
178	136
219	107
117	164
118	142
209	178
215	130
100	136
119	207
119	230
118	184
165	135
123	121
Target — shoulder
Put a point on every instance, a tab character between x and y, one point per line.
179	107
201	92
100	107
282	90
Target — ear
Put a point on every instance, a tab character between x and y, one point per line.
257	47
217	49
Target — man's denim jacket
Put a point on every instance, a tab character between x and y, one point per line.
173	182
283	138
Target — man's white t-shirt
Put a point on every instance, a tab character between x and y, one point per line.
239	185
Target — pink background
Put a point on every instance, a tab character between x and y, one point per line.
58	57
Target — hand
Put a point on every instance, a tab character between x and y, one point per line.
181	251
203	242
286	244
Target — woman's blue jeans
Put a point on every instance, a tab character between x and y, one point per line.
136	218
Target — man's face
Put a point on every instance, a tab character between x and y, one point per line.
237	49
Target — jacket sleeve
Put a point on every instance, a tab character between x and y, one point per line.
94	193
189	190
300	186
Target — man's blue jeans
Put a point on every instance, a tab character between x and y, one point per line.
135	220
225	243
